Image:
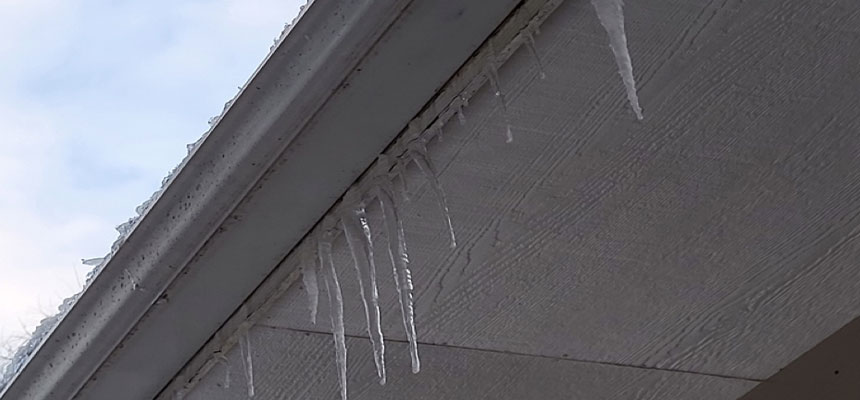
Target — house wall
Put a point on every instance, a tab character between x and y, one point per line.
686	256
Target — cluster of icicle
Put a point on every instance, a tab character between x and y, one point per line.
611	16
352	222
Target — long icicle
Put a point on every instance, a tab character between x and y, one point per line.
335	301
358	237
247	360
309	279
419	156
368	241
400	261
611	15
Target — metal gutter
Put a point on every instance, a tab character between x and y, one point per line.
444	105
328	100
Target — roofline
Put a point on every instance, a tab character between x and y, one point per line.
253	189
256	129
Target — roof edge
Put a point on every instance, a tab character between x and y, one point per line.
320	50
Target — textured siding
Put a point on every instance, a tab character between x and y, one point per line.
704	247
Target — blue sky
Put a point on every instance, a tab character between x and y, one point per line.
97	101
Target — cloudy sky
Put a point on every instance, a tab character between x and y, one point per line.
97	101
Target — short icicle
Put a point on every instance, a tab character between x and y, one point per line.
335	301
438	132
400	182
460	116
611	15
358	237
309	279
418	154
400	261
493	76
248	361
226	363
530	43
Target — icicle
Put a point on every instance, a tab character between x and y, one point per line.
530	43
247	361
464	102
493	76
419	156
358	237
400	181
309	279
611	15
460	116
335	301
400	261
223	360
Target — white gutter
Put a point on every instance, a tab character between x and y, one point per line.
330	98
